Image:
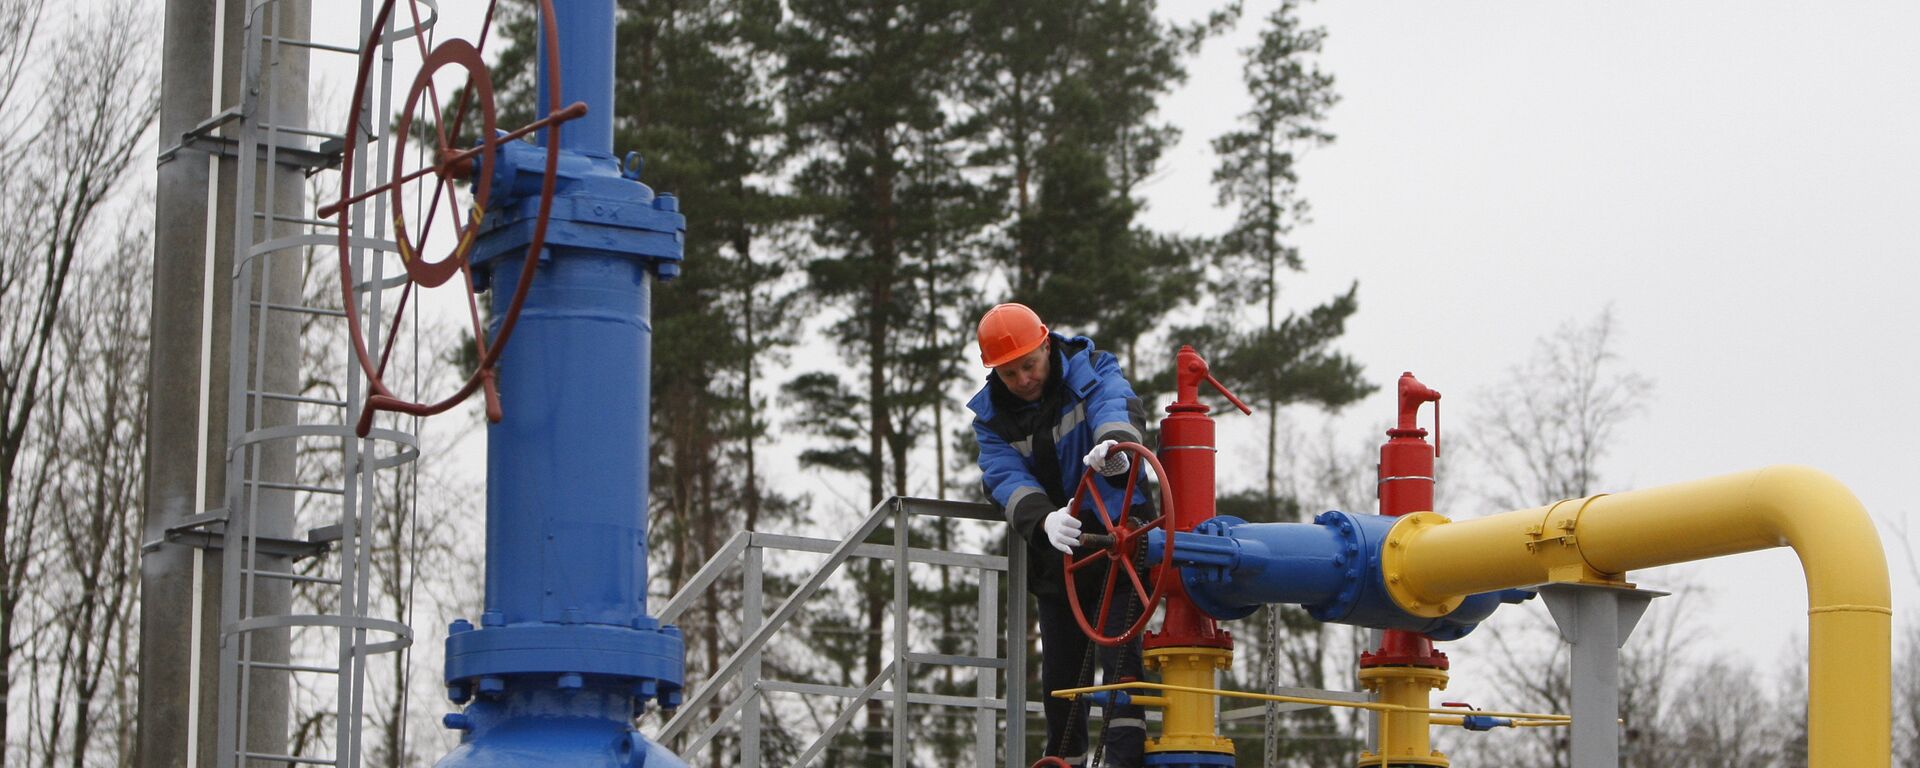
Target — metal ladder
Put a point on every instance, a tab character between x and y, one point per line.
295	532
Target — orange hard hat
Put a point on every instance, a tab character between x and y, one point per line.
1007	332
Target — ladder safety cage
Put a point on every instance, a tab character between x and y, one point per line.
295	608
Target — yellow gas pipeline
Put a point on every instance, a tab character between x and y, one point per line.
1430	563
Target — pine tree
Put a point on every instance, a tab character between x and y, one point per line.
1286	359
696	96
1282	359
1066	95
867	82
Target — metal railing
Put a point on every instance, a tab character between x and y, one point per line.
743	671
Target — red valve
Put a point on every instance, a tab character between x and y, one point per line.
1189	370
1412	394
1118	546
449	171
1052	762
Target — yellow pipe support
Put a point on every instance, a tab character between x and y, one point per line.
1600	538
1404	738
1189	722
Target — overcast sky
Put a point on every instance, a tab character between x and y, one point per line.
1740	181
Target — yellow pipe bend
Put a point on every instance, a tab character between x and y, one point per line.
1600	538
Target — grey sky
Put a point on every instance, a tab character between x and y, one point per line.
1740	181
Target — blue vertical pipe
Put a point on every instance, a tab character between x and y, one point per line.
565	656
586	65
567	464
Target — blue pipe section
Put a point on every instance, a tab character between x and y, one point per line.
1331	566
1485	723
566	657
586	69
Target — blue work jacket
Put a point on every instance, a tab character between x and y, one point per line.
1088	400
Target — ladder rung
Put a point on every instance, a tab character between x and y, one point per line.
288	758
291	667
301	309
298	131
283	397
300	220
285	576
295	487
314	44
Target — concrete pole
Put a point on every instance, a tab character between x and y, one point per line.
186	421
196	211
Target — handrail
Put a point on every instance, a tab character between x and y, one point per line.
734	663
704	577
741	668
1372	706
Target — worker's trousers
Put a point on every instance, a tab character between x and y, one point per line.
1063	649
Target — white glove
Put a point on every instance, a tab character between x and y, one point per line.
1062	528
1109	465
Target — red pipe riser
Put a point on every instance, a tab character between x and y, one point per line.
1406	486
1187	450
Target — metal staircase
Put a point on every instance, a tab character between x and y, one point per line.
730	699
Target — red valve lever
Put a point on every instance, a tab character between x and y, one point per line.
1230	398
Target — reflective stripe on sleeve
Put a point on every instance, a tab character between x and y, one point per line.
1117	427
1020	494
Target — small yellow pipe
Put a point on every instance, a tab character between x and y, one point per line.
1600	538
1372	706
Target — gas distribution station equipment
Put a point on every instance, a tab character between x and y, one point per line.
568	243
1420	577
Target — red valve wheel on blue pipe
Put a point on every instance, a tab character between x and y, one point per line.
1117	546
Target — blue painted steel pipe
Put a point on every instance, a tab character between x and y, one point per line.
1331	566
586	69
565	656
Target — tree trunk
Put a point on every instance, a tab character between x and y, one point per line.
879	312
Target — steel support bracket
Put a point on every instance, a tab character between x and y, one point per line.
1596	620
208	530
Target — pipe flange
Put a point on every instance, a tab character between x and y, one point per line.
1393	556
1353	562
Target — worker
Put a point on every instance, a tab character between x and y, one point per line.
1051	407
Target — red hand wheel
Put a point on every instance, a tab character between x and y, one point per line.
1117	548
449	170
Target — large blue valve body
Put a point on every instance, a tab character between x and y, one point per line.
565	656
1331	567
